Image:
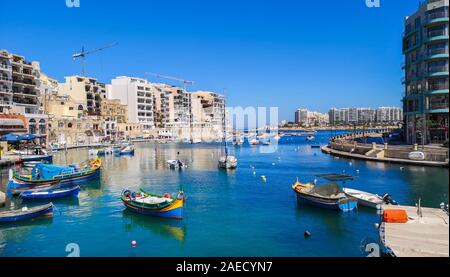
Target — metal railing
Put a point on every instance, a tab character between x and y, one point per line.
438	106
436	69
437	51
436	15
438	86
437	33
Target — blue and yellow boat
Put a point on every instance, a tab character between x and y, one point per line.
328	196
44	175
154	205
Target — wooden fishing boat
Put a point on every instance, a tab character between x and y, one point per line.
368	199
154	205
50	193
50	175
26	213
329	196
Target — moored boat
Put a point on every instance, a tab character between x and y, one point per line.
50	175
329	196
253	142
310	138
176	164
368	199
154	205
228	162
50	193
26	213
127	150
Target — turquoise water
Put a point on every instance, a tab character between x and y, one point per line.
227	213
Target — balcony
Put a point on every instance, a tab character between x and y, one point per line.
5	79
437	35
436	71
437	53
437	18
5	67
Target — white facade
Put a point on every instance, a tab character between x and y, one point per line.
138	94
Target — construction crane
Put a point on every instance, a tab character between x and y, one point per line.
184	82
82	55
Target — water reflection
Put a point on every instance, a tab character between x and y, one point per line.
165	228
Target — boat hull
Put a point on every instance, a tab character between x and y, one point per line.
174	210
51	194
47	159
341	204
46	210
20	183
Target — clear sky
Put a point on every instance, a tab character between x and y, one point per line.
289	54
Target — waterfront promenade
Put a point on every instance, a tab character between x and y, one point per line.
347	146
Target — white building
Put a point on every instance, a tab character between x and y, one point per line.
138	94
389	115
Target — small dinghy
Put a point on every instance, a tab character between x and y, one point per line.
310	138
26	213
50	193
370	200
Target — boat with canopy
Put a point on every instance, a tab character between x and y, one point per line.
49	175
329	196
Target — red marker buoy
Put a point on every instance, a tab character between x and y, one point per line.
133	244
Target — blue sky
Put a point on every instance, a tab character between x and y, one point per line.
289	54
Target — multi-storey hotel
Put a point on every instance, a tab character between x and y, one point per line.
385	115
138	95
425	48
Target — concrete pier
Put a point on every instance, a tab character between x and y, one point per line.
422	236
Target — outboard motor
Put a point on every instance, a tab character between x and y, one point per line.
388	199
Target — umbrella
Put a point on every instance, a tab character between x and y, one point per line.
28	137
10	138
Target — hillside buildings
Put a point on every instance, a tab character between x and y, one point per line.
307	118
426	59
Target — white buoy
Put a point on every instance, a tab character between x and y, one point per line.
133	244
263	178
357	171
273	163
401	168
315	181
350	163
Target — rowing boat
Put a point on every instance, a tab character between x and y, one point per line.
368	199
154	205
26	213
50	193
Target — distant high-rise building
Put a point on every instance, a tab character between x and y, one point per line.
391	115
425	49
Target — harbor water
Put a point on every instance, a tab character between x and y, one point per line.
232	213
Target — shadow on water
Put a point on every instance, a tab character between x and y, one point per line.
166	228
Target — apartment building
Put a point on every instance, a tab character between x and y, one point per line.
86	92
138	94
208	115
426	60
389	115
20	92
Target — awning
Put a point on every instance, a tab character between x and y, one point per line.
11	122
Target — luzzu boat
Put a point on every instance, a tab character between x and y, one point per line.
329	196
44	175
26	213
154	205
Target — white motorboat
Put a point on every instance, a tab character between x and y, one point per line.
310	138
370	200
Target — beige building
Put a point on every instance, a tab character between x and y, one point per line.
86	92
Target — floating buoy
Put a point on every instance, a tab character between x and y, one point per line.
133	244
307	234
315	181
273	163
350	163
376	225
254	173
401	168
357	171
263	178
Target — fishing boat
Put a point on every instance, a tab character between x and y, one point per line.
50	193
26	213
310	138
370	200
49	175
329	196
105	151
154	205
176	164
